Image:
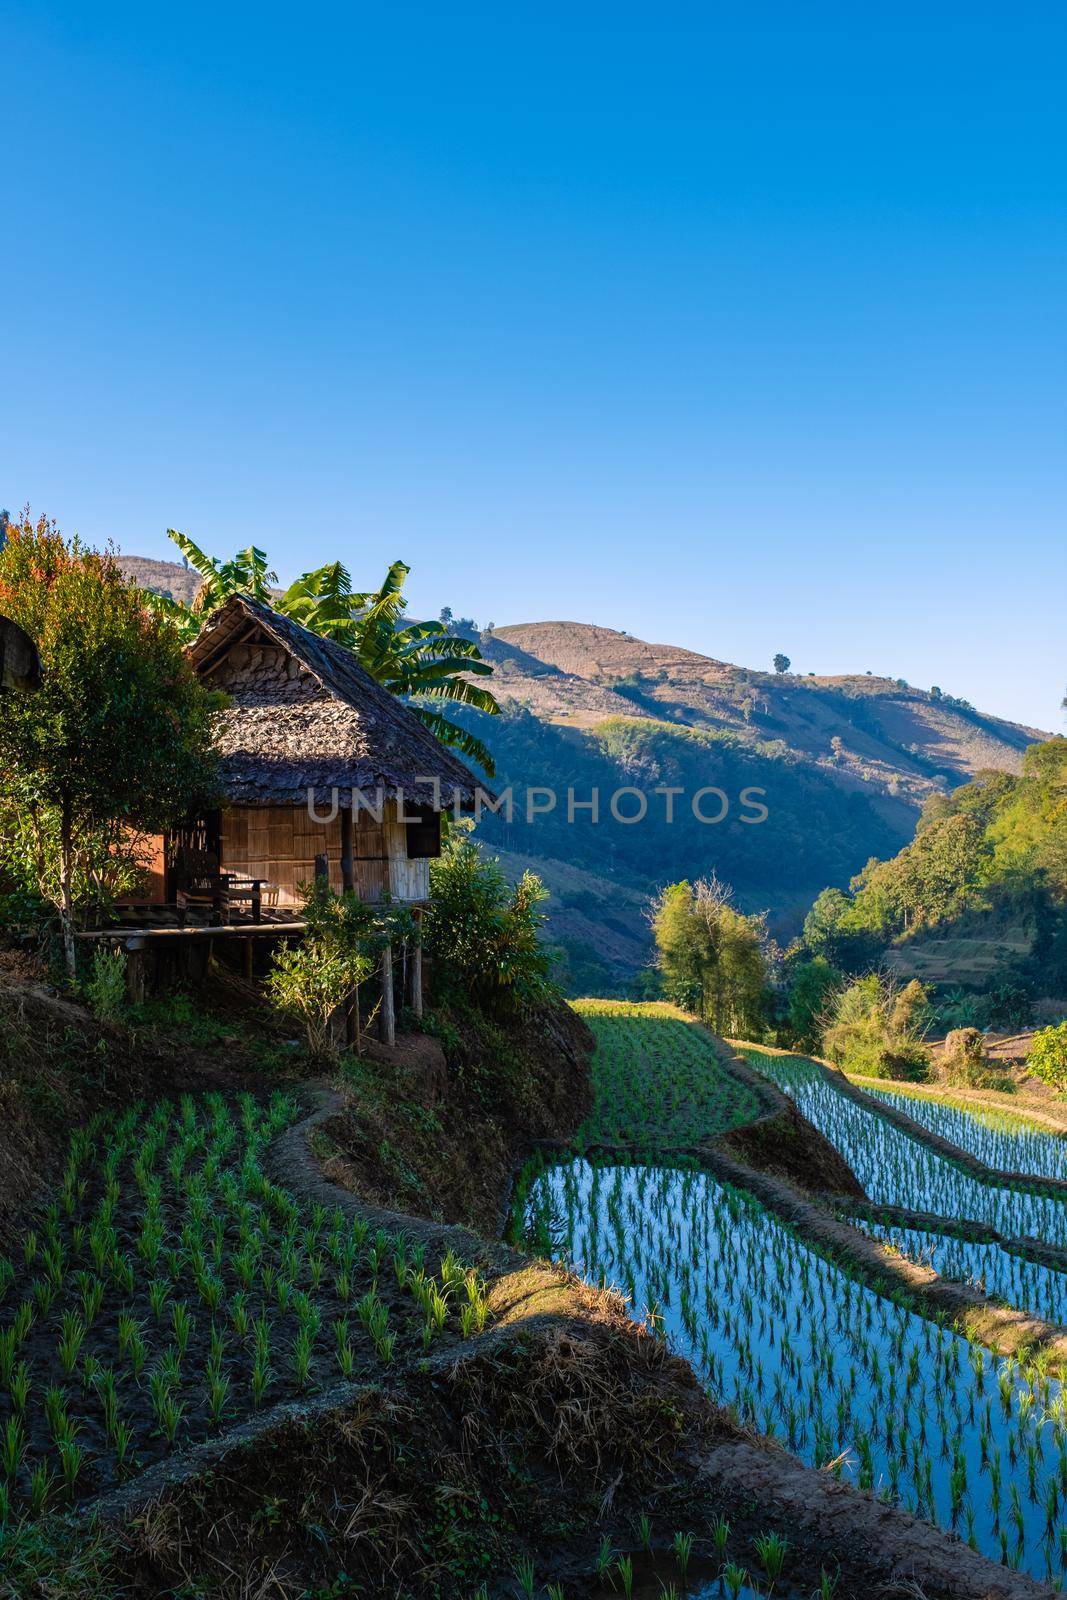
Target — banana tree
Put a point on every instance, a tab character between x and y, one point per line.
419	661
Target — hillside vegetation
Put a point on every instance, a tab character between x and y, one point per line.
847	764
978	897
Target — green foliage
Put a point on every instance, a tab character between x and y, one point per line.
876	1029
105	987
421	661
335	956
711	956
815	831
115	744
782	663
482	934
658	1079
996	847
1048	1055
812	984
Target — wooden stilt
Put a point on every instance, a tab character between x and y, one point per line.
416	967
134	974
348	883
388	1020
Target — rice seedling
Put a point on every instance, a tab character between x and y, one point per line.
907	1408
897	1169
524	1573
625	1569
657	1078
683	1549
771	1549
164	1211
734	1579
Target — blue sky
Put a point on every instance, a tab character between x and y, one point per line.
738	327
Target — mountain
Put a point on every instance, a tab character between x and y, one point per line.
163	577
846	764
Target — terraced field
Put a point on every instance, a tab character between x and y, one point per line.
174	1289
658	1078
853	1381
898	1170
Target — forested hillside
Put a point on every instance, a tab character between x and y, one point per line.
977	898
847	765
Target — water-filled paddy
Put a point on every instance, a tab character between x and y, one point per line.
845	1378
1026	1285
896	1169
1005	1142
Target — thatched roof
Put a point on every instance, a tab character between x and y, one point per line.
332	726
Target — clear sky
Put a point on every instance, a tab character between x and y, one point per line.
738	327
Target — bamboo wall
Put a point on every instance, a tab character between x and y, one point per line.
280	843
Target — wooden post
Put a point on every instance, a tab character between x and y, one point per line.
135	971
348	883
388	1022
247	958
416	965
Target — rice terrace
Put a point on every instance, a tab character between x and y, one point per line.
347	1251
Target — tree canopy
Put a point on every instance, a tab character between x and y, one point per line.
711	956
115	743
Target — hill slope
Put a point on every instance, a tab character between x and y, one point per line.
847	764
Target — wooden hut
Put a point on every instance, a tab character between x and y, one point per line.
20	665
318	760
323	772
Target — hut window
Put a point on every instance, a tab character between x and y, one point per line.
424	836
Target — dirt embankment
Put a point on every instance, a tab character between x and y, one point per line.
782	1141
435	1127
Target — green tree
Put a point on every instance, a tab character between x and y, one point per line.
812	983
117	741
421	661
711	956
782	663
1048	1055
482	934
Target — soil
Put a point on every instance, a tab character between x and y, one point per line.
436	1127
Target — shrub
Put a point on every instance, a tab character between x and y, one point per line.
482	934
311	979
1048	1055
105	988
876	1029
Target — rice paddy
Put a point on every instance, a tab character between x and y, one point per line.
1001	1139
657	1078
848	1380
173	1288
1026	1285
896	1169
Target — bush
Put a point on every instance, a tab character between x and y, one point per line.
876	1029
482	935
1048	1055
311	979
105	988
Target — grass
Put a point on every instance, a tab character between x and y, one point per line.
658	1079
